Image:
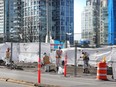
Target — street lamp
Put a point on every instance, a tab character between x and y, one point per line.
67	34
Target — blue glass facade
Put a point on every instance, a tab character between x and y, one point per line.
112	22
34	17
13	20
63	18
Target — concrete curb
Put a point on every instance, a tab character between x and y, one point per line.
17	81
29	84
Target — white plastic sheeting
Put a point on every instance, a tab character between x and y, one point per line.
29	52
15	51
3	48
95	55
113	62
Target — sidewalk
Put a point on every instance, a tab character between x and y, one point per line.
70	71
52	79
33	67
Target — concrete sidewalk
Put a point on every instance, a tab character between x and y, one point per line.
29	75
32	67
53	80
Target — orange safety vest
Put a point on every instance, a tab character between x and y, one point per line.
58	53
46	60
7	54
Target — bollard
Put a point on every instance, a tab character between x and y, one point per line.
65	67
39	70
102	71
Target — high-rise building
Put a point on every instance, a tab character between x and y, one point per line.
63	20
48	18
2	20
90	22
17	19
34	18
13	20
103	22
37	19
112	22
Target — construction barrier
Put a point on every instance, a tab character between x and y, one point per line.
39	70
102	71
65	65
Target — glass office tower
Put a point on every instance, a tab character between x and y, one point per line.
37	19
103	22
32	18
13	17
90	22
112	22
1	20
48	18
63	20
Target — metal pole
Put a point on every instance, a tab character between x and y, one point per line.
39	60
75	68
66	40
39	46
65	65
47	16
11	51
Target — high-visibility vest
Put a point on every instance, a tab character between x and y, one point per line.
85	57
46	60
58	53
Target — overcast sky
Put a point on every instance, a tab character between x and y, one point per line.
78	8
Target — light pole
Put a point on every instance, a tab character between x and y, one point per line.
67	34
39	46
40	27
39	60
75	69
11	38
11	48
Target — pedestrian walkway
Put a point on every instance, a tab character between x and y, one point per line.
84	80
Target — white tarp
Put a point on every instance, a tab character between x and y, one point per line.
3	48
15	51
113	62
114	70
95	55
29	52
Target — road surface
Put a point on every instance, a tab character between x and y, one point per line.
55	79
9	84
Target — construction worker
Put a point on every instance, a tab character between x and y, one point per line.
8	55
58	57
85	62
46	62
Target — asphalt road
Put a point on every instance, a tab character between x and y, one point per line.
9	84
55	79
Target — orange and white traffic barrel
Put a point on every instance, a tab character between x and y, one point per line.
102	71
